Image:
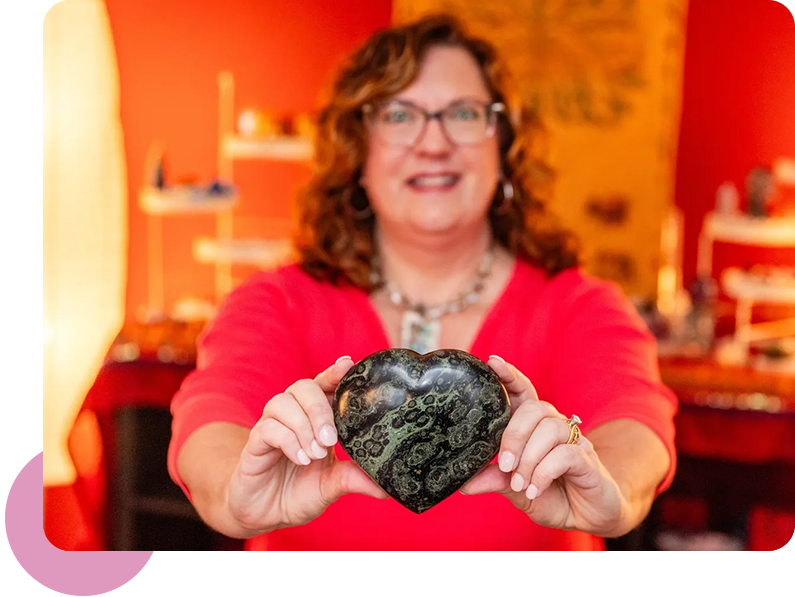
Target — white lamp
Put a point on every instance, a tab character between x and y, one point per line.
85	215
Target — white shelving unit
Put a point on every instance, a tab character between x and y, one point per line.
173	201
742	230
267	148
224	250
748	288
257	252
183	201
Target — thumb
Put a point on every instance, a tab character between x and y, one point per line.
346	477
329	379
490	480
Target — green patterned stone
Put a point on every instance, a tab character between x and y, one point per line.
421	425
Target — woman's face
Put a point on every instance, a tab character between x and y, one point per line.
434	185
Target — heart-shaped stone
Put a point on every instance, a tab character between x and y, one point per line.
421	425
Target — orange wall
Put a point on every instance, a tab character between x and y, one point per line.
738	111
169	53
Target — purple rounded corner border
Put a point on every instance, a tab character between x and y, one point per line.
31	565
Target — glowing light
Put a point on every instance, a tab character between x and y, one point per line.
85	215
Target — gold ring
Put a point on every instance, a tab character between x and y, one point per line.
574	430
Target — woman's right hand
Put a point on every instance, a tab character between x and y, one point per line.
288	474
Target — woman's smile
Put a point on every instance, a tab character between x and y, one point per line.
434	182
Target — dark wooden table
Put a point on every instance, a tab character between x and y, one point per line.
736	447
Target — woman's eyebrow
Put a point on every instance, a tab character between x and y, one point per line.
465	98
399	100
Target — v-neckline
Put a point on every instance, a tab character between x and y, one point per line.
484	324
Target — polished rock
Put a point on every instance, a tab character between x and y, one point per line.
421	425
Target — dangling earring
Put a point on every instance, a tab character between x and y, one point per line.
507	190
507	197
347	201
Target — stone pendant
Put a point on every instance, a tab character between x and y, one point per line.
419	334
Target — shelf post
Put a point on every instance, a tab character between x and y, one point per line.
705	243
224	220
742	324
226	121
154	250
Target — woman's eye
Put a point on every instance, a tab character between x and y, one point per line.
465	114
397	116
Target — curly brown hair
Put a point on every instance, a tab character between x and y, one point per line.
336	245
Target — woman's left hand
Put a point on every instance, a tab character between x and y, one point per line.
558	485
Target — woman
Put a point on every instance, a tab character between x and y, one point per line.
423	228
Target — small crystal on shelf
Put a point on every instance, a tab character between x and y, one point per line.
700	319
759	188
159	181
256	123
703	291
727	198
247	123
217	187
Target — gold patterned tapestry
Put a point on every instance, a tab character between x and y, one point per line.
606	79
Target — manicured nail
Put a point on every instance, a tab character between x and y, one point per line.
342	359
506	462
318	450
499	358
328	435
302	457
517	482
532	492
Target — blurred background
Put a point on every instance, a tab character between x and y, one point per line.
177	134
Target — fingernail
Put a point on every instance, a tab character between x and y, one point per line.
302	457
517	482
318	450
342	359
499	358
506	462
328	435
532	492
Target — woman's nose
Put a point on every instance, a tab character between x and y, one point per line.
434	139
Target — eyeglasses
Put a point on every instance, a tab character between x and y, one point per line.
464	122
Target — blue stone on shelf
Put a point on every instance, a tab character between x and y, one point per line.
217	187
